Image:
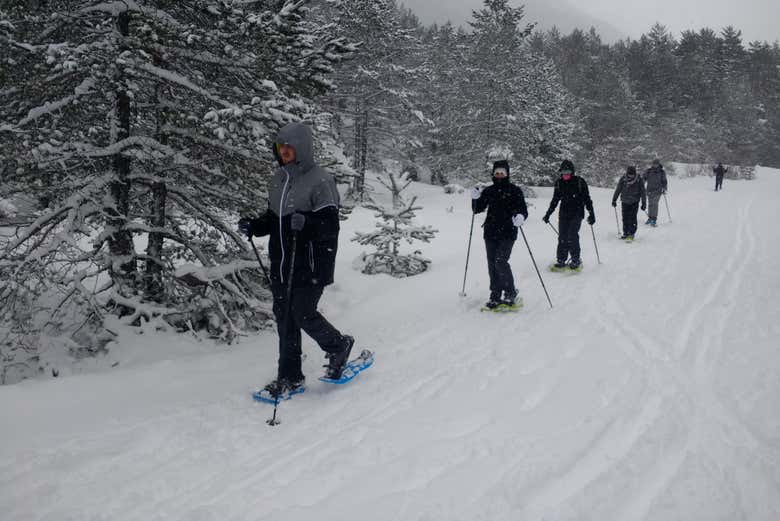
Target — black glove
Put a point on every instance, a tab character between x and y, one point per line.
245	226
643	208
297	221
546	218
614	204
591	219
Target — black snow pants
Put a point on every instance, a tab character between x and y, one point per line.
303	315
630	212
569	239
718	182
501	279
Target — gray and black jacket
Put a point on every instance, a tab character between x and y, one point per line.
631	190
655	177
306	188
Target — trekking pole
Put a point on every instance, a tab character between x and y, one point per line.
535	266
257	254
594	243
288	311
468	254
667	207
617	221
553	227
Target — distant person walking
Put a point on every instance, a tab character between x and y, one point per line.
631	191
719	171
506	212
572	192
656	185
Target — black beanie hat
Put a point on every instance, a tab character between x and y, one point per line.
567	165
503	163
631	170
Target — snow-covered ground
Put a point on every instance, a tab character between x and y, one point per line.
649	392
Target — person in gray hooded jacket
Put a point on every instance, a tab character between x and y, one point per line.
631	191
303	203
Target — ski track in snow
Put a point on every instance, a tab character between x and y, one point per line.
646	394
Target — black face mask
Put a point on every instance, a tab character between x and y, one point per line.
501	181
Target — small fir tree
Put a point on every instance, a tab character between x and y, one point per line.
395	226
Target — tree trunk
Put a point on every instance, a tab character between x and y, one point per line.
155	290
121	241
361	146
153	280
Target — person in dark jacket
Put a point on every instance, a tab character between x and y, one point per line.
656	185
631	191
303	209
719	171
572	192
506	211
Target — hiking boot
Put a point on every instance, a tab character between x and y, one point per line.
649	221
284	386
337	361
492	304
559	265
509	299
575	264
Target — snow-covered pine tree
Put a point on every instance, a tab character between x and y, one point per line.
699	81
492	100
395	226
613	119
150	123
396	186
739	112
701	98
440	85
552	126
374	104
764	72
505	93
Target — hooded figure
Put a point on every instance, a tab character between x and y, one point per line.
506	211
631	191
719	170
302	220
572	192
656	185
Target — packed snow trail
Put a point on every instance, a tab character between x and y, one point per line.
648	393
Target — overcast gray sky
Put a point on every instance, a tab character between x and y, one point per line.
758	19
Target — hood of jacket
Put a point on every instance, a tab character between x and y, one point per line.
298	136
